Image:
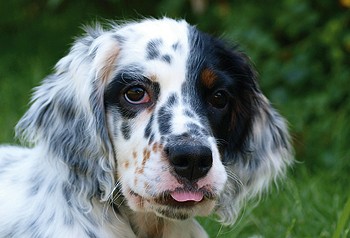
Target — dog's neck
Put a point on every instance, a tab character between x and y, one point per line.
146	225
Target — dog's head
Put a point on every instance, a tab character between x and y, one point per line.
171	114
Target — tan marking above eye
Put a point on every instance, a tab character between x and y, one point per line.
208	78
109	62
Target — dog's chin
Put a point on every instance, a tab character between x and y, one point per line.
166	206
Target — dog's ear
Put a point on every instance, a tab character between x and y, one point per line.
67	115
258	147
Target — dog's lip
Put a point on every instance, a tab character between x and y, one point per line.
184	198
179	198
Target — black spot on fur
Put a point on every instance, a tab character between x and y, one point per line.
151	138
148	128
164	118
189	114
33	228
67	193
52	188
44	115
72	153
156	91
152	49
90	234
176	46
126	130
121	39
34	189
166	59
172	100
165	115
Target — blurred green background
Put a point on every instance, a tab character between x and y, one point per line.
301	50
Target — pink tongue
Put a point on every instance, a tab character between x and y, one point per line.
187	196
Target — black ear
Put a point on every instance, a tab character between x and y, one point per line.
67	117
257	149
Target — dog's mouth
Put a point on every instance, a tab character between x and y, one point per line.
183	198
177	204
182	204
180	198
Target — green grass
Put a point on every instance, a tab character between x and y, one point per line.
307	205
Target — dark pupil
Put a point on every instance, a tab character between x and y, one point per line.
219	100
135	94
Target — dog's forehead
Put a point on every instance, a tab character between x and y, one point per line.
160	48
165	32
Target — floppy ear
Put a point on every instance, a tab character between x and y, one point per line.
67	115
258	148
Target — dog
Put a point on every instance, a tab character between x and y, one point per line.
141	128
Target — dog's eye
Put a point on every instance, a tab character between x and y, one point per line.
137	95
219	99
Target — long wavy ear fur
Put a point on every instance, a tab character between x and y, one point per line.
258	150
67	115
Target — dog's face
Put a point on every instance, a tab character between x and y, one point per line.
173	115
165	106
177	103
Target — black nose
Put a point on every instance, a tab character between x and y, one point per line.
190	162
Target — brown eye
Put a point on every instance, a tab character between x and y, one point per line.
137	95
219	99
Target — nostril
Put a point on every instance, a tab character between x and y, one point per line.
190	162
205	162
180	162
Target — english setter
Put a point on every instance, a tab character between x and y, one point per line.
140	128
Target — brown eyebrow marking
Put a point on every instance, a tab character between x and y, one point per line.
208	78
109	62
